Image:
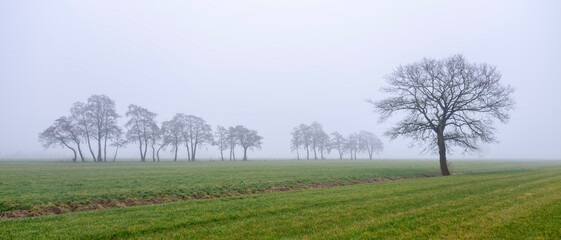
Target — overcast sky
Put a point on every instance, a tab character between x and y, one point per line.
270	65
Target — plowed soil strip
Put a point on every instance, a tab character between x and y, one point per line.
60	208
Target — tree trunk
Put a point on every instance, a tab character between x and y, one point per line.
73	150
222	155
145	149
442	153
297	154
315	154
99	158
80	151
245	154
140	150
307	152
74	159
194	150
188	152
89	142
91	150
105	148
115	156
153	153
158	152
175	156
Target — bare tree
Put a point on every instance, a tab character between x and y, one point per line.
338	143
448	102
233	141
297	141
156	140
248	139
221	140
162	142
83	123
315	132
140	128
196	132
59	134
323	143
171	133
352	145
102	117
119	141
306	136
370	143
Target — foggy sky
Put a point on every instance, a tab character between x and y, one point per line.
270	65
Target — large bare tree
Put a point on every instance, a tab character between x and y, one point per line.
447	102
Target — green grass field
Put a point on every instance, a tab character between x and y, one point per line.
36	185
517	204
510	200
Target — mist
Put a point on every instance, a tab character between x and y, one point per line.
270	66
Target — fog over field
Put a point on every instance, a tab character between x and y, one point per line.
270	65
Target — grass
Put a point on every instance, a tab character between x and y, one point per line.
514	204
39	185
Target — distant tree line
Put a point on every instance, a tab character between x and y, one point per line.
93	126
312	139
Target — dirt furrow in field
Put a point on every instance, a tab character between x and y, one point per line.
61	208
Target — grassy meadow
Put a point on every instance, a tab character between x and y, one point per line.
489	200
36	185
515	204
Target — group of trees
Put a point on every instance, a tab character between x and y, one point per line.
91	123
312	138
447	102
229	138
95	123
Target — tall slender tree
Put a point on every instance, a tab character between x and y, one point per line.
221	140
352	145
196	133
83	123
102	117
338	143
140	128
297	141
233	141
171	133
